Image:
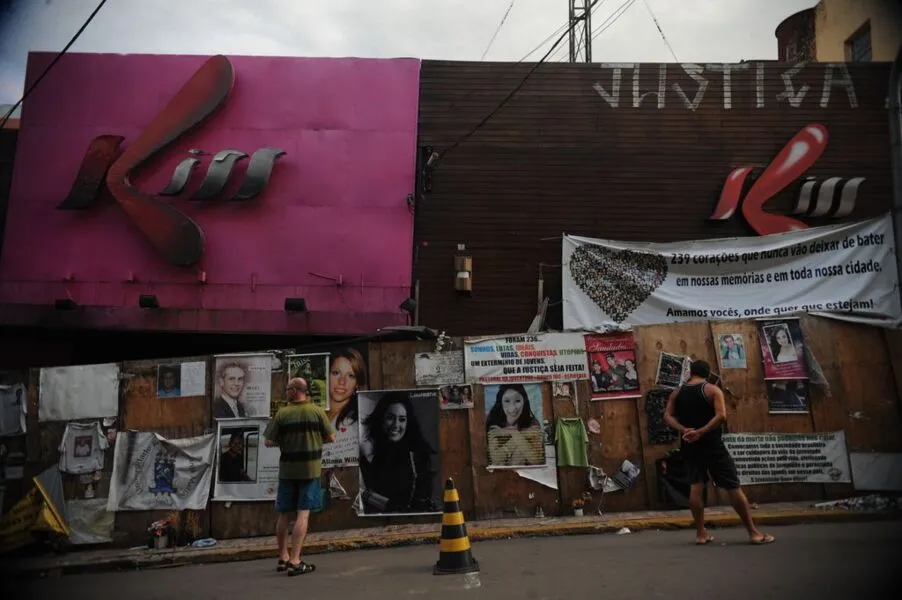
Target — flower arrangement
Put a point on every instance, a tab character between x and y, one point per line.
578	503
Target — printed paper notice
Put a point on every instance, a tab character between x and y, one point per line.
194	378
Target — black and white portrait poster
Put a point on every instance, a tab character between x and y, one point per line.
787	396
242	386
246	469
399	453
673	370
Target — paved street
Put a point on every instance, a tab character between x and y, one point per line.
848	561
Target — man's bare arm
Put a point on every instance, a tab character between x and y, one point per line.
720	411
669	418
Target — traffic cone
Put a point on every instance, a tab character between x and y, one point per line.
455	557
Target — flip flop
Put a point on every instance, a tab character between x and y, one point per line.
282	565
767	539
705	541
301	568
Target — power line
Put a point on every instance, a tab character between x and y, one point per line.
661	31
545	41
51	65
500	25
506	99
615	16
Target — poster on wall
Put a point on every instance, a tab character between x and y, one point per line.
843	271
79	392
314	368
659	432
673	370
347	378
525	358
182	380
400	471
13	409
789	457
455	397
731	351
242	386
787	396
151	472
513	424
245	468
782	349
612	366
439	368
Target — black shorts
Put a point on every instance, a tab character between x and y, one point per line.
713	459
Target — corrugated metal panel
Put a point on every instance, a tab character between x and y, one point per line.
559	158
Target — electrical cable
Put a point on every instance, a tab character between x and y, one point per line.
661	31
506	99
500	25
543	42
562	54
52	63
615	16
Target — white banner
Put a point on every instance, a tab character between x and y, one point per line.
526	358
844	271
790	457
80	392
151	472
245	468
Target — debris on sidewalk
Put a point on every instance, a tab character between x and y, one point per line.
623	531
871	502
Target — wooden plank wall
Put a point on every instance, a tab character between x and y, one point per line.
858	363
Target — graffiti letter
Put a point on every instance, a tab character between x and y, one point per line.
180	177
662	87
695	72
759	85
795	97
258	172
102	153
727	70
845	80
612	98
174	235
218	173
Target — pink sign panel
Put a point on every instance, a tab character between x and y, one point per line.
215	183
782	349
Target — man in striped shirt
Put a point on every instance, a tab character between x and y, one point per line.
299	430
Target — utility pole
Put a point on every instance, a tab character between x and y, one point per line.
580	24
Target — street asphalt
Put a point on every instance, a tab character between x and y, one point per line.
823	562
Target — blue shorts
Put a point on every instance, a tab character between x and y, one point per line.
298	494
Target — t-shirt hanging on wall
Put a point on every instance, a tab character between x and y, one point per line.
570	435
82	448
13	405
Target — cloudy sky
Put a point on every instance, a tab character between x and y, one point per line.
698	30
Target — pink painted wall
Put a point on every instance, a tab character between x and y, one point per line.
335	204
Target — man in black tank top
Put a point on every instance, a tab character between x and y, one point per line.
698	411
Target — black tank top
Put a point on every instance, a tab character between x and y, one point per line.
693	409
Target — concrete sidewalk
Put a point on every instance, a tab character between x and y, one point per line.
92	561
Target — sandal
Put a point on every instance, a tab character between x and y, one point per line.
767	539
301	568
282	565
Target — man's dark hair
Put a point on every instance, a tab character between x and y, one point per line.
700	368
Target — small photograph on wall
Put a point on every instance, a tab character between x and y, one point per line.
782	349
787	396
513	423
242	386
565	390
182	380
238	454
612	365
314	368
169	381
731	351
455	397
399	453
673	370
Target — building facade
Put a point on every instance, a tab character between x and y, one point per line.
633	152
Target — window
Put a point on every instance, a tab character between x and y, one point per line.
858	46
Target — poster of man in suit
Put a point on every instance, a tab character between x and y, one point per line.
242	386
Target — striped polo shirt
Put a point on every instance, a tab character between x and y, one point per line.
299	429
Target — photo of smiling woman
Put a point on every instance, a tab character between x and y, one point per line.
347	376
513	425
399	462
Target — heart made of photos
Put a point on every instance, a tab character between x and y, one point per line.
618	281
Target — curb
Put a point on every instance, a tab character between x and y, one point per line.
185	557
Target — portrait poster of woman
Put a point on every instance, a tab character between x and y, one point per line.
399	453
513	423
782	349
347	377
